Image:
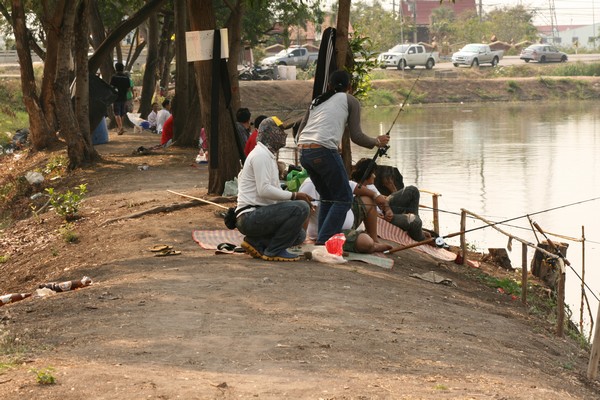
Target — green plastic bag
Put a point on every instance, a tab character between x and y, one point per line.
295	178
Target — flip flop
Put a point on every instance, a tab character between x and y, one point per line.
165	253
225	248
160	247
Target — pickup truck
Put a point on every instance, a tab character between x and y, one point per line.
298	56
475	54
408	55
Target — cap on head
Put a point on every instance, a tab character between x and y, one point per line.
271	133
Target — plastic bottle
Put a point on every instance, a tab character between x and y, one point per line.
67	285
11	298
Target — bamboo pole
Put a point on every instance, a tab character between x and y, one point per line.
463	241
592	371
199	199
582	278
524	273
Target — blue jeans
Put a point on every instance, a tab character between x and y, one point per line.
326	169
276	227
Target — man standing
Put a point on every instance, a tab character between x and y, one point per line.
321	133
271	222
123	85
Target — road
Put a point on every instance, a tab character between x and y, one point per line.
514	60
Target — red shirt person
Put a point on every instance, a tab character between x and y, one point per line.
251	142
167	131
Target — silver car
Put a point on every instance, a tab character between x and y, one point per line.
543	53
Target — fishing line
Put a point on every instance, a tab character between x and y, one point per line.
382	151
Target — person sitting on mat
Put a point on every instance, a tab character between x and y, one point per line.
364	210
404	204
271	218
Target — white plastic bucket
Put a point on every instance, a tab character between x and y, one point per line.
282	72
291	73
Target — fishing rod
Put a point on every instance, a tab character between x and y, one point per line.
439	241
382	151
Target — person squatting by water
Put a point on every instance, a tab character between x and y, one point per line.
320	136
271	218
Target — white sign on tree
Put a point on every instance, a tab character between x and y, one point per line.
199	45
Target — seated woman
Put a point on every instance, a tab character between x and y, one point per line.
363	210
404	203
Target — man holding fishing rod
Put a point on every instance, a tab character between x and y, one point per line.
319	141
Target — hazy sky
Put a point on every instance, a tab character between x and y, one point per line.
568	12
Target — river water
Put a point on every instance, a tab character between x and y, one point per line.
503	161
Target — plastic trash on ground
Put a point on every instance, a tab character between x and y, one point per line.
321	254
335	244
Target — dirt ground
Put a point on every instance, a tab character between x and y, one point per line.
205	326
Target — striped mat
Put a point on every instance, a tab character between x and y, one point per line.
391	232
211	239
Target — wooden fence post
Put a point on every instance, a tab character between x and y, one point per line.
463	240
592	371
560	318
524	273
436	214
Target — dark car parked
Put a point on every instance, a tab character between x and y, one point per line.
543	53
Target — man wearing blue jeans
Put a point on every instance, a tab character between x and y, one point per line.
320	136
271	218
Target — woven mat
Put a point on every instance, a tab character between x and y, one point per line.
211	239
391	232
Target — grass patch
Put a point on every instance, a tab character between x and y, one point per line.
68	234
513	86
380	97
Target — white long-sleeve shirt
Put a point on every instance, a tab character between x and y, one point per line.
162	117
258	181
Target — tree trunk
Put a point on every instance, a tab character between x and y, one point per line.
202	17
186	130
341	47
52	28
121	31
80	152
150	72
41	133
234	25
98	36
165	52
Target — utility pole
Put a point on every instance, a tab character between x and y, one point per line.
415	20
553	21
401	8
480	10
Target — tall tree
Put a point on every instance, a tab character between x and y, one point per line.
202	17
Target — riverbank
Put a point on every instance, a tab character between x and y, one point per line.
292	97
204	326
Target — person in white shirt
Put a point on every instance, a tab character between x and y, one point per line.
358	241
319	139
272	219
152	117
163	115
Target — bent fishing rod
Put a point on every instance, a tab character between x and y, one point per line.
382	151
439	241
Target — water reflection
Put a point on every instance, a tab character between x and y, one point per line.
503	161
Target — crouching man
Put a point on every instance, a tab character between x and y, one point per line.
271	218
